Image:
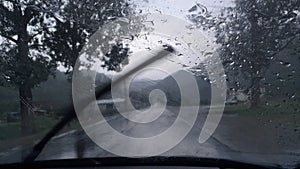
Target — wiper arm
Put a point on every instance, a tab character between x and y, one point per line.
148	161
37	149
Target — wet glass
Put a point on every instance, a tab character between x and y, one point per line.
234	63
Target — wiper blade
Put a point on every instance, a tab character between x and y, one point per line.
70	115
148	161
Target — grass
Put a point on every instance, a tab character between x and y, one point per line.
11	136
9	131
277	111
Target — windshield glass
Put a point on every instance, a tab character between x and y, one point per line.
204	78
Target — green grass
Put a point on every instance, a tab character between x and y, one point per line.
10	131
11	136
277	111
45	123
13	130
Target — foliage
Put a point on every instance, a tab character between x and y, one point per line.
23	57
40	34
79	20
251	34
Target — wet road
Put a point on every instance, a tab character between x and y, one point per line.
189	146
238	138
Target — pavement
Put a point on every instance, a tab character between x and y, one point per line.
237	137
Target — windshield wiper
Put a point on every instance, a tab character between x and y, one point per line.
147	161
70	115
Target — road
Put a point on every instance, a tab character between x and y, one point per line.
239	138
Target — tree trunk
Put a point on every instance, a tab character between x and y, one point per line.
255	93
27	114
256	55
24	71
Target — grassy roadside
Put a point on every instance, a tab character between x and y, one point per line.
275	111
11	137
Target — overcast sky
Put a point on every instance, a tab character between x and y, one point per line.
178	8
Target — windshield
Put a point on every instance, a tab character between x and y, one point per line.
204	78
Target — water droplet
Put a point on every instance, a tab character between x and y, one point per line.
293	96
286	64
198	9
277	105
164	20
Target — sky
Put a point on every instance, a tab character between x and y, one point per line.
177	8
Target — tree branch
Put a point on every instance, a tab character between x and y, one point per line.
12	1
4	8
34	35
36	45
9	38
5	11
283	47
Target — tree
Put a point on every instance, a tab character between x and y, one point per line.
251	34
79	20
39	34
24	63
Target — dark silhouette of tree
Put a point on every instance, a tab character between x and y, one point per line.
79	20
39	34
24	63
117	55
251	34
